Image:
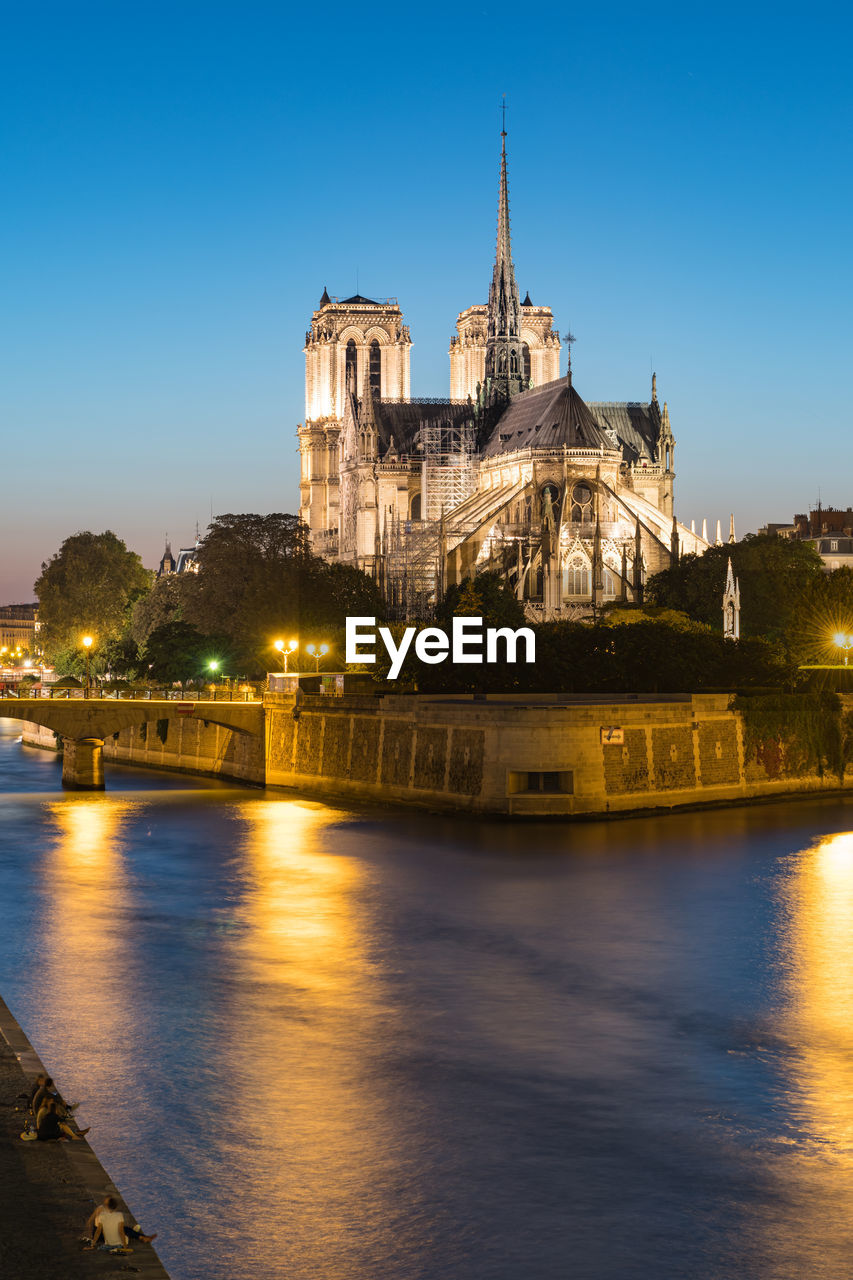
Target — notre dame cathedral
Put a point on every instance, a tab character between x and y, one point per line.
571	501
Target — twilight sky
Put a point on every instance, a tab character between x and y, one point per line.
180	181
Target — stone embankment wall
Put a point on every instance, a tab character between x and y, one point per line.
531	755
184	744
521	755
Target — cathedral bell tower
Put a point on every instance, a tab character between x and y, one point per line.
504	355
355	347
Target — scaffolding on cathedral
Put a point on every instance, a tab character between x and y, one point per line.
411	568
449	467
413	551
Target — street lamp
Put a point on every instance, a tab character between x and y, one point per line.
317	652
87	644
844	642
286	650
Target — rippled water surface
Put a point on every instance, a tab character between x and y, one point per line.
361	1046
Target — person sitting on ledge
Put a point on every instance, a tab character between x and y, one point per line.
53	1129
47	1092
94	1225
40	1081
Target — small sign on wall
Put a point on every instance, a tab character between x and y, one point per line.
612	736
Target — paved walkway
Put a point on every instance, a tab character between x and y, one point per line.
48	1189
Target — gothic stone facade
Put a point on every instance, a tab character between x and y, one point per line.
573	502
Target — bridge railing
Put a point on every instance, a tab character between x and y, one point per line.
143	695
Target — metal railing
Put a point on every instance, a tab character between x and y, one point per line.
141	695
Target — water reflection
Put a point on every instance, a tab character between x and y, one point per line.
86	966
820	964
318	1132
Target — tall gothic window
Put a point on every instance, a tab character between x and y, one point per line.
376	369
351	366
577	580
525	354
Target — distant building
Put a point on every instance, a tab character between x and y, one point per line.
18	627
187	561
828	529
835	552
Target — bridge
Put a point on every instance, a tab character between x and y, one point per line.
84	723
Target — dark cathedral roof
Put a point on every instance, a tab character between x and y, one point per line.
547	417
356	297
637	426
403	419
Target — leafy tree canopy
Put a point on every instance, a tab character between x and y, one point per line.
665	617
487	596
178	651
87	587
258	581
773	573
163	603
824	610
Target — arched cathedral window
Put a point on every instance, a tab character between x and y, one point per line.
577	580
376	368
609	583
581	503
351	366
525	355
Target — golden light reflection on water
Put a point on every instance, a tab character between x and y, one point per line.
819	965
86	948
317	1123
301	905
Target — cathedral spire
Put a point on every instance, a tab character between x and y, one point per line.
504	364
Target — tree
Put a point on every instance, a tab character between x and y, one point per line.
120	658
773	573
87	586
163	603
487	596
178	651
258	581
824	609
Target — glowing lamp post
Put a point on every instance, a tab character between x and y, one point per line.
87	644
285	650
317	652
845	643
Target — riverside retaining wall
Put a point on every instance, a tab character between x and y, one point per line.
522	755
519	755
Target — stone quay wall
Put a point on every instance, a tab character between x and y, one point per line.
184	744
523	755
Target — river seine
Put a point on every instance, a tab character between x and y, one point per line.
323	1044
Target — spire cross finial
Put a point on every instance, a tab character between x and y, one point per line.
503	116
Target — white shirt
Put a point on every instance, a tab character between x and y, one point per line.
109	1221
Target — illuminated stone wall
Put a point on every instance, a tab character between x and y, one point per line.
518	755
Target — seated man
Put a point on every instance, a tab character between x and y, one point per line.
109	1226
39	1084
45	1093
53	1129
135	1232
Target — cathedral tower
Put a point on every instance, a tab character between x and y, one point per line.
353	342
514	345
504	362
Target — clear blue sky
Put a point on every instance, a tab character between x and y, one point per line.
180	181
